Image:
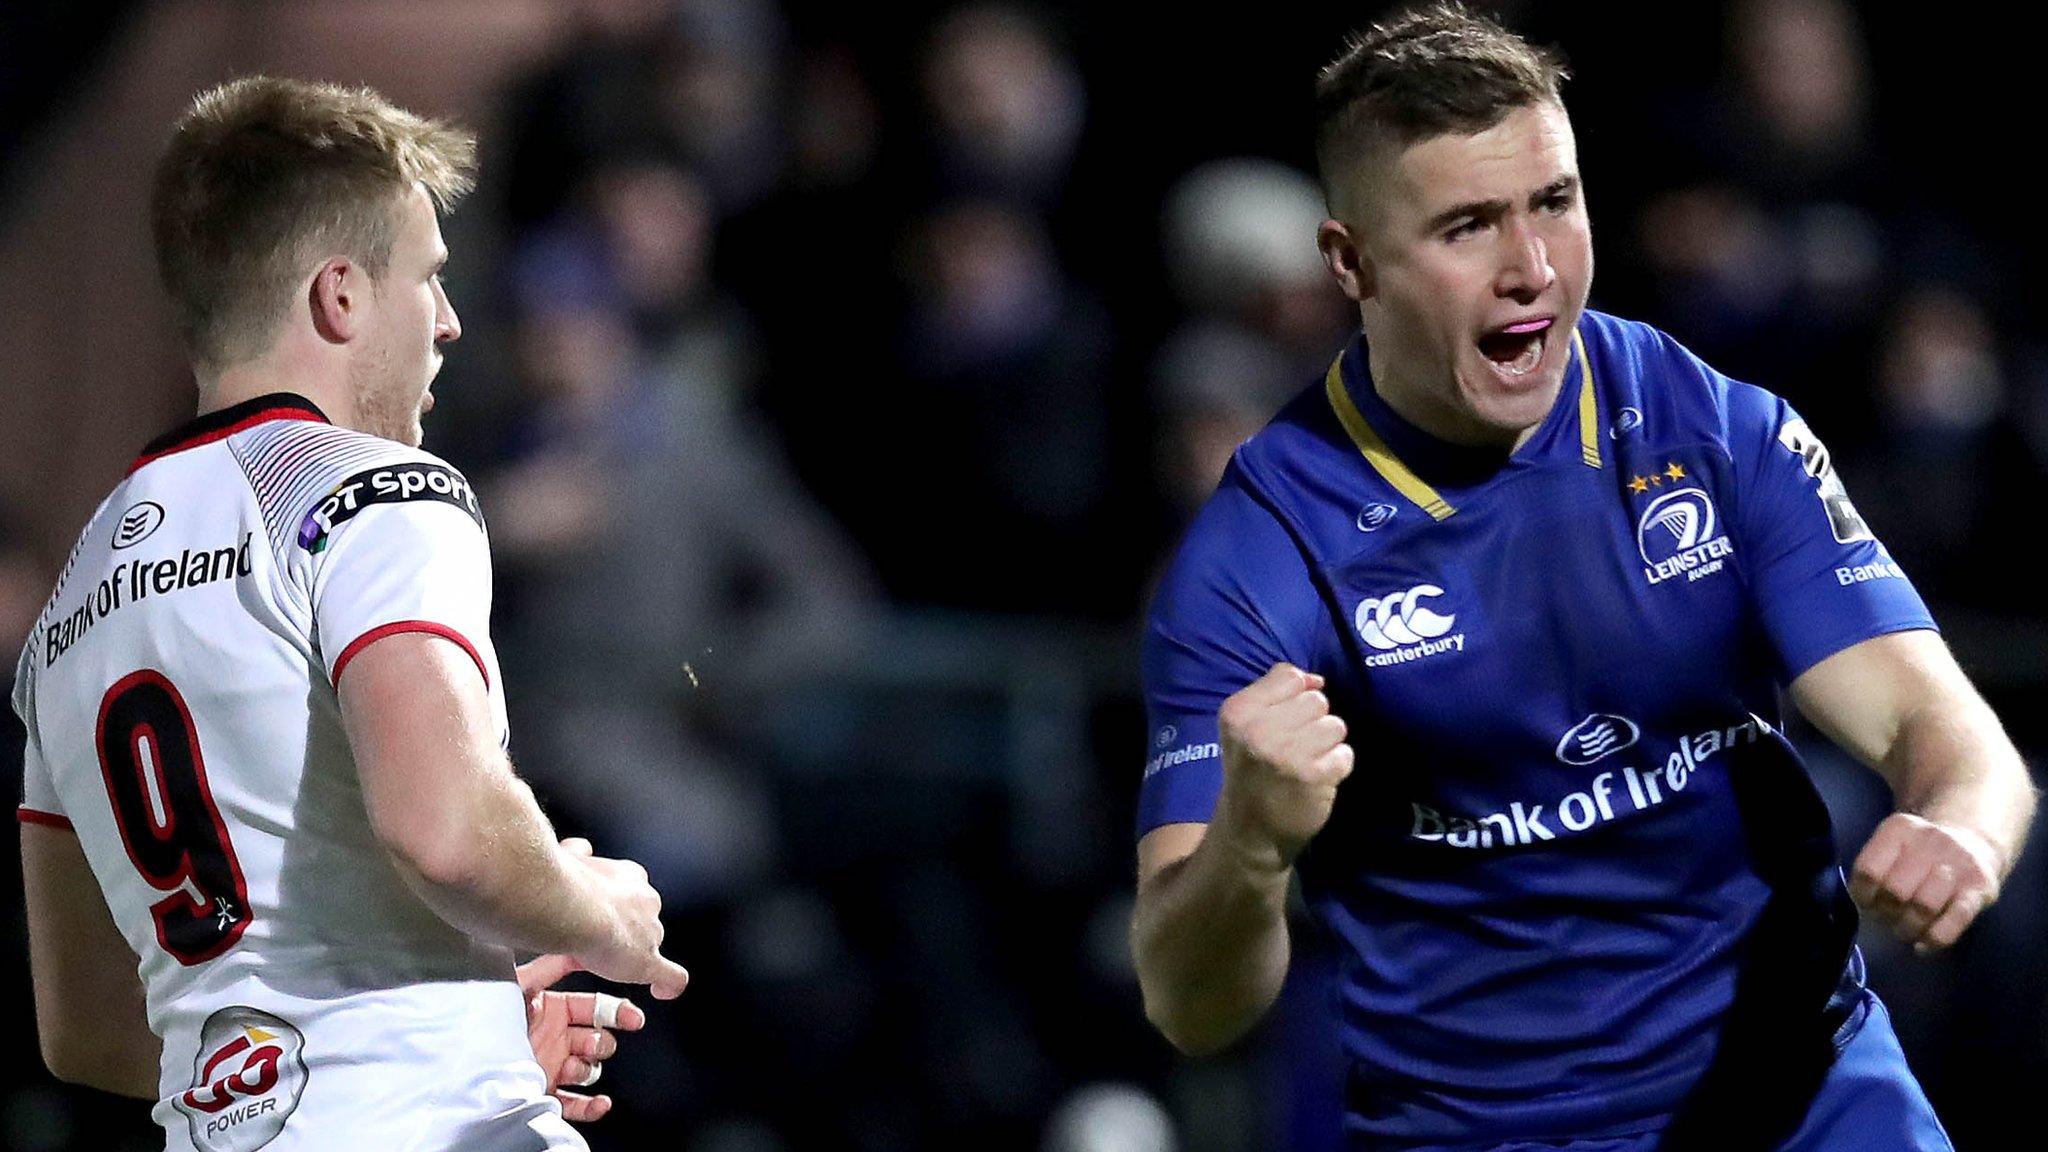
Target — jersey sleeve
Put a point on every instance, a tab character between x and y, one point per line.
1221	618
404	550
1820	578
39	802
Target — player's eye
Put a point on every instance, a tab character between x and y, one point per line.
1557	203
1459	231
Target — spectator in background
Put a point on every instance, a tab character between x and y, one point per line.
651	537
720	66
1948	473
1261	316
692	81
1007	118
1768	254
1007	107
1798	125
593	99
813	332
1005	405
655	222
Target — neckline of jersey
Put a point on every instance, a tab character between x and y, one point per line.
1431	461
225	422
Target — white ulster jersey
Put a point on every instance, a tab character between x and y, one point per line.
178	695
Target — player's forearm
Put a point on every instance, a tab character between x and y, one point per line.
494	870
128	1069
103	1042
91	1014
1210	940
1952	763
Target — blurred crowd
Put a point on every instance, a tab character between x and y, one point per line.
833	394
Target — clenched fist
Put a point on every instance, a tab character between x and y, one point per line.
1924	880
1283	756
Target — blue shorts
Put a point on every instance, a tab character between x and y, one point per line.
1870	1098
1869	1101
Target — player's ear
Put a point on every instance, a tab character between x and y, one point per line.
1346	259
335	299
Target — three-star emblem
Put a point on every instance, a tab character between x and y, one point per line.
1673	472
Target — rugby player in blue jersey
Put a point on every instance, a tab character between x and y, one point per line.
1483	637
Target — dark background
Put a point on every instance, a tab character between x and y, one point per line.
833	413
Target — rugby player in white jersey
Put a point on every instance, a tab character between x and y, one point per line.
266	728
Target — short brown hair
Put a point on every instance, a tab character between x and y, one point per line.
1425	73
265	176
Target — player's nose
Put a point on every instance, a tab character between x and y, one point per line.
1525	269
447	325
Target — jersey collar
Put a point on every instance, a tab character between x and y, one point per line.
225	422
1351	396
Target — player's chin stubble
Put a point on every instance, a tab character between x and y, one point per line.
386	407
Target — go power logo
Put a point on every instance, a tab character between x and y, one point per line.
246	1080
1402	628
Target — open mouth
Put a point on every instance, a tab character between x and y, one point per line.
1516	349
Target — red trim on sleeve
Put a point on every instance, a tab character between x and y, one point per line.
398	626
28	815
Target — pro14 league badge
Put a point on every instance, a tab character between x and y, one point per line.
1843	520
246	1080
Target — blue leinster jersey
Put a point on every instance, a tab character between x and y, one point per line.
1579	877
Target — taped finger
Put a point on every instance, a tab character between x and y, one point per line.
604	1011
590	1077
580	1109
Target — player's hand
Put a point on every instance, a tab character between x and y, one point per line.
1283	756
1924	880
633	954
571	1033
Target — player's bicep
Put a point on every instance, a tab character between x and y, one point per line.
1237	600
1861	696
421	731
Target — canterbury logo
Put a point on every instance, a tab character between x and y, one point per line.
1388	622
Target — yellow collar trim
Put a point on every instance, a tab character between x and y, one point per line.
1589	408
1403	478
1375	450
